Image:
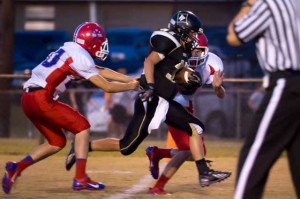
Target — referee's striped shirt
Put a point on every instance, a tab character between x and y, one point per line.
276	26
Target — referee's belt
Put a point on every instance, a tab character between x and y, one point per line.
32	89
286	73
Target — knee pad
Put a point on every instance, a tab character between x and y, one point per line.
196	129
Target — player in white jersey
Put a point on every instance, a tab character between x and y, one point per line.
210	67
40	105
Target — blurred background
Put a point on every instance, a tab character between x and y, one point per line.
30	30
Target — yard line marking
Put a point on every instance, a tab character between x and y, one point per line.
142	185
114	171
144	182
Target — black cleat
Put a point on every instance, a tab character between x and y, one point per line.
209	177
71	158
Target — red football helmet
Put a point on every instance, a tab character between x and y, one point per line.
91	36
202	43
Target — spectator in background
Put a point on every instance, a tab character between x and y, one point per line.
120	108
75	96
256	98
27	73
79	94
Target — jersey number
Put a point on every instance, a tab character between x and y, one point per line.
53	58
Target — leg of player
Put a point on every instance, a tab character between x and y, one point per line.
181	141
177	160
154	155
207	176
14	169
81	180
105	144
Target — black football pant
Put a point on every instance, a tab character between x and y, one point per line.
144	114
276	128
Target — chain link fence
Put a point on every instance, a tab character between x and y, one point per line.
225	118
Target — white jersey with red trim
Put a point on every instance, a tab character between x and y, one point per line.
207	69
69	61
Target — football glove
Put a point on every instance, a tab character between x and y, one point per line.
195	79
147	93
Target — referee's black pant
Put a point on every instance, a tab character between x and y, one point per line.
276	128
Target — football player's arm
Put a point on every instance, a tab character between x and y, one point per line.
114	75
152	59
113	87
160	45
231	37
217	84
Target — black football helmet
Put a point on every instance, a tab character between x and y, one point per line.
185	23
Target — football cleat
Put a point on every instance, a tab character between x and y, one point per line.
11	173
153	157
87	184
209	177
71	158
157	191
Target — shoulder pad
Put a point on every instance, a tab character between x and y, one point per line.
163	41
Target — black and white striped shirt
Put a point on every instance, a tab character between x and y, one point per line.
275	25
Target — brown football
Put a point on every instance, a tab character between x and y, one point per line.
182	76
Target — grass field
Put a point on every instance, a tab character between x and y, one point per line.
128	177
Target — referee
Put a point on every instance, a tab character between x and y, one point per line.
275	27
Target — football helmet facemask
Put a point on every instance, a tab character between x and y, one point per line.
91	37
186	24
202	44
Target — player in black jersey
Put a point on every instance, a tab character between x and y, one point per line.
170	48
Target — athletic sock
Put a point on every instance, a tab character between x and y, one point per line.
80	168
204	146
26	162
201	166
162	181
90	146
164	152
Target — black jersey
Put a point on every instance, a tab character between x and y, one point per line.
167	44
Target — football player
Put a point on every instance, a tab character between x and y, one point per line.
210	67
169	49
39	101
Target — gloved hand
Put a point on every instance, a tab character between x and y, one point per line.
147	93
181	65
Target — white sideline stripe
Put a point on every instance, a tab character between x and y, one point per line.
143	183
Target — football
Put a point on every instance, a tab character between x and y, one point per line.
182	76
